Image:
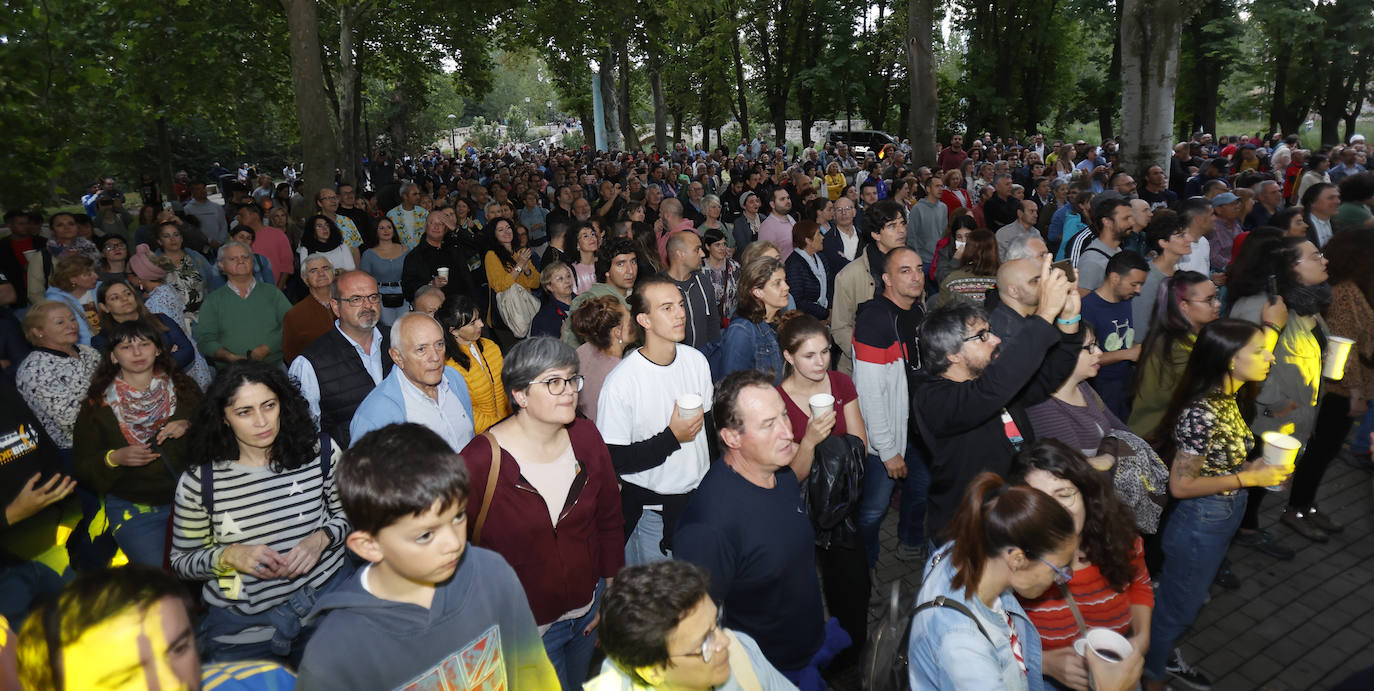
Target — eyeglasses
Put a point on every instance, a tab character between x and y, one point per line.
983	336
557	386
712	640
360	299
1214	299
1061	575
1315	255
1092	347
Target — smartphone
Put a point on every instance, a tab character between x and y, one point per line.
166	206
1067	267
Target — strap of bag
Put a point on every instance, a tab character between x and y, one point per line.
942	601
1073	607
741	667
207	489
492	473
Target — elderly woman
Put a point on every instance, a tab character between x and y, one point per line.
119	303
258	520
478	359
128	441
190	270
54	377
556	281
73	284
544	496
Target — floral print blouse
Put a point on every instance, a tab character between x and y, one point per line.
54	383
1213	428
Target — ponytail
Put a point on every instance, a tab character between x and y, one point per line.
994	516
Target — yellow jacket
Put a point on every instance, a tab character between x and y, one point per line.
483	377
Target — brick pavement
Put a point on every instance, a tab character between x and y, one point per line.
1303	624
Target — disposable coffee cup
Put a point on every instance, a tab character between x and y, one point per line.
688	405
821	404
1105	644
1280	450
1337	352
443	272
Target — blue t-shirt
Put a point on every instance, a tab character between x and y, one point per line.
1112	323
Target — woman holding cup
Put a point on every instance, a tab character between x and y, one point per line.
1110	584
1209	444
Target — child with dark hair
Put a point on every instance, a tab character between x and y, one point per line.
426	610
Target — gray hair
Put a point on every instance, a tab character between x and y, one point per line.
1057	183
311	259
1258	188
943	333
424	290
396	327
1020	247
233	243
533	356
711	199
408	186
1000	177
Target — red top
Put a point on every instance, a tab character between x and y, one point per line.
841	387
1100	605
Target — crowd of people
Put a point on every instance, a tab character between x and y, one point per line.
463	423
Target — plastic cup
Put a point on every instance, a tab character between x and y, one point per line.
1105	644
821	404
688	405
1337	352
443	272
1280	450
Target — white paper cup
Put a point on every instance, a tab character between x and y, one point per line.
688	405
443	272
1105	644
1280	450
821	404
1337	352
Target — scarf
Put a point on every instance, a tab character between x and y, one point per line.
141	414
1308	300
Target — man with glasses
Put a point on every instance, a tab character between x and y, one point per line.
841	245
420	388
340	368
660	629
970	403
242	319
746	526
310	318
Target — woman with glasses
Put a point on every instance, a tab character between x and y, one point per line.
1209	442
322	236
1167	238
1187	301
969	630
544	496
1074	414
478	359
114	259
1110	586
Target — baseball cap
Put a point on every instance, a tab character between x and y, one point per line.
1224	198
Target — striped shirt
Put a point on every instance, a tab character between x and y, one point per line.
1101	606
254	506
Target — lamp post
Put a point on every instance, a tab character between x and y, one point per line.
452	143
548	106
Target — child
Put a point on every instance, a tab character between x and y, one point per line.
427	612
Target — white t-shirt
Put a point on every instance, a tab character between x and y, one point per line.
636	403
1200	258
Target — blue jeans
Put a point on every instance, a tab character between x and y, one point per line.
877	495
643	545
1361	443
1195	540
290	631
569	650
139	529
24	584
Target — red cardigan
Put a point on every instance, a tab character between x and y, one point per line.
558	566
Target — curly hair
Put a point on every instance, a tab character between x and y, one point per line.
210	438
1109	533
593	320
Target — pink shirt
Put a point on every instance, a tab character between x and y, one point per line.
272	243
779	232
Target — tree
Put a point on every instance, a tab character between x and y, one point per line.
920	52
313	114
1150	34
775	33
1211	41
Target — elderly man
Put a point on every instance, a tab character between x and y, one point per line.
269	242
420	388
745	525
438	260
311	317
409	217
213	223
1268	201
428	300
1225	227
1026	215
241	320
340	368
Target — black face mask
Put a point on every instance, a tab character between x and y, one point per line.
1308	300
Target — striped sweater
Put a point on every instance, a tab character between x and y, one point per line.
254	506
1100	605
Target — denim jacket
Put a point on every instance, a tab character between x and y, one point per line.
750	345
948	652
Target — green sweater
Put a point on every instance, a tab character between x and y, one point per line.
240	325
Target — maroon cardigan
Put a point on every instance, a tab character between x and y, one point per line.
559	566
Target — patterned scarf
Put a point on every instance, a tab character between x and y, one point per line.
141	414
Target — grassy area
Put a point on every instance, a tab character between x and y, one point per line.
1311	139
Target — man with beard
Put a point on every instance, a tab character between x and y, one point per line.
970	404
340	368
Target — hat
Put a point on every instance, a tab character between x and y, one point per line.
143	266
745	197
1224	198
1356	138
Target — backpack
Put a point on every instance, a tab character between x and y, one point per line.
207	478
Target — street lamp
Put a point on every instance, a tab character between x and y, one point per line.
548	105
452	123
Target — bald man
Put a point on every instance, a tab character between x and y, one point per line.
1018	288
420	388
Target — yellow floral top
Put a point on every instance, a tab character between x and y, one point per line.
483	377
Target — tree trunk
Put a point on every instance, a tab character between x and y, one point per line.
924	104
1278	104
348	100
627	126
742	111
1150	34
660	110
318	139
608	99
1104	115
677	130
165	178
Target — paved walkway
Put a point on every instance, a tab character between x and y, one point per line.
1302	624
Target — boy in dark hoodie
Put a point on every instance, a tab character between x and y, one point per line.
427	611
